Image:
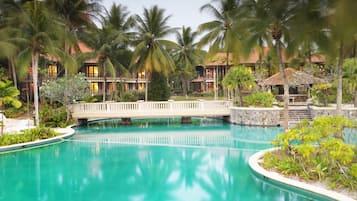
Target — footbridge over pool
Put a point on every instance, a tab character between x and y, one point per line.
81	112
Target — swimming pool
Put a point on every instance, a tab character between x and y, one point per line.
154	160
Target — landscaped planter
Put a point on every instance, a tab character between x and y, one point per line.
67	133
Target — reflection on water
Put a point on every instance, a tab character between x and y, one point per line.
108	171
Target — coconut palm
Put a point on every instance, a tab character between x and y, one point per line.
309	17
39	29
342	30
106	41
187	55
150	53
77	16
278	16
223	33
257	34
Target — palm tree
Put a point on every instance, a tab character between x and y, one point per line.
150	53
277	15
187	56
39	31
77	16
257	35
308	17
222	33
342	31
106	41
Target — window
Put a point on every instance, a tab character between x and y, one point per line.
92	71
93	87
52	70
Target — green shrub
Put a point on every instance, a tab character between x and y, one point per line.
13	112
132	96
27	136
260	99
52	116
316	151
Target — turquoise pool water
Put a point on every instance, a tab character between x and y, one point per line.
154	160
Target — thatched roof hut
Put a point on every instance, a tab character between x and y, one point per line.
295	78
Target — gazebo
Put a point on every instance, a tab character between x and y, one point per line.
299	84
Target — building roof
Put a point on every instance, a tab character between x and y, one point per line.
220	58
294	77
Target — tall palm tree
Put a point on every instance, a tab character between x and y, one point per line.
106	41
223	33
150	53
309	17
39	29
278	23
187	56
342	31
258	35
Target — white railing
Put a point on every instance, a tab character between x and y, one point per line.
151	109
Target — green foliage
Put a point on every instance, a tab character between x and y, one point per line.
316	151
322	93
52	116
13	112
27	136
158	88
260	99
8	94
132	96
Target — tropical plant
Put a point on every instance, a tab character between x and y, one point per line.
321	93
316	151
187	56
8	96
150	53
238	78
260	99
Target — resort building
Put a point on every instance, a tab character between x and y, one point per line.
96	76
215	68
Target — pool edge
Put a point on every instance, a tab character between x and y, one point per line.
254	165
67	133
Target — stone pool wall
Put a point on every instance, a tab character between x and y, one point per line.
255	116
348	112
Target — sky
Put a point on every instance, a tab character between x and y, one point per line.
183	12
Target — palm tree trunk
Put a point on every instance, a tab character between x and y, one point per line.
286	87
339	81
35	58
240	96
184	86
146	85
13	71
226	70
104	82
